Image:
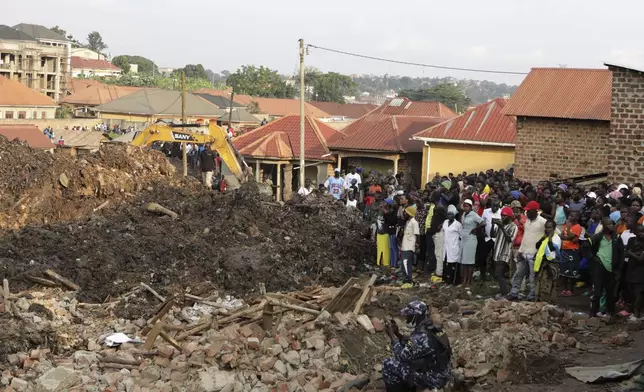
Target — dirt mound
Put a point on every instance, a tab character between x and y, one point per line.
38	187
236	241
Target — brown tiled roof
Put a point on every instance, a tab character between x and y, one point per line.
484	123
280	139
389	128
79	62
583	94
14	93
26	133
348	110
99	94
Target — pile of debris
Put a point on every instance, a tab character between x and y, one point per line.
211	345
38	187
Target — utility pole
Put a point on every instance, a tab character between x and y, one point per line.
183	121
302	88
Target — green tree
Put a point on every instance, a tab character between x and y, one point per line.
260	81
61	31
193	71
332	87
448	94
146	66
253	108
121	62
95	42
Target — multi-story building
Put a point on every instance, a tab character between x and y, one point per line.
36	57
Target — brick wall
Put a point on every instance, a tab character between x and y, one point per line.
548	148
626	142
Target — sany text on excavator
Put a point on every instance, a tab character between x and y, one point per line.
199	134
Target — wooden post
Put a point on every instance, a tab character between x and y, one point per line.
257	174
267	317
278	185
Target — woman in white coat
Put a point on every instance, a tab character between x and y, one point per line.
451	245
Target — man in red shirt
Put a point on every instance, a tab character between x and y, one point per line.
519	220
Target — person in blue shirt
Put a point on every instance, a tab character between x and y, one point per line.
335	184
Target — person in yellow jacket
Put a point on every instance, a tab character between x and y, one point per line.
546	268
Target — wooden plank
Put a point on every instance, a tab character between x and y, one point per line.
165	308
330	306
366	291
151	290
293	307
169	339
204	301
62	280
203	326
242	313
152	336
42	281
117	366
6	294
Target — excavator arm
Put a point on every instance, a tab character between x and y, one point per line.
213	134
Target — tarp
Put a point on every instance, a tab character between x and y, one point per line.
598	374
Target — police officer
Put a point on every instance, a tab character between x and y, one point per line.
421	360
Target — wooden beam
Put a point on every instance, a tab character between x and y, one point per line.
151	290
62	280
293	307
366	291
152	336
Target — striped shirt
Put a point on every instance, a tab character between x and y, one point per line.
503	245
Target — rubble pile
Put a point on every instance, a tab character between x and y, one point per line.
38	187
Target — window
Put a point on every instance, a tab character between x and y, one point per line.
8	114
35	115
22	115
43	115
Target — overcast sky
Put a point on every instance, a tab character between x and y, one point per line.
512	35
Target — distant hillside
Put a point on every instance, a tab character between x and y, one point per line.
476	90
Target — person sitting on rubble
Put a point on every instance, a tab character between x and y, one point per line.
422	360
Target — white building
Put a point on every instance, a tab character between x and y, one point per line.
88	54
87	68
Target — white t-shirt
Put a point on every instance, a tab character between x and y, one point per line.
352	203
409	236
304	191
488	215
349	177
533	231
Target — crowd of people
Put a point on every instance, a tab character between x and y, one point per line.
549	238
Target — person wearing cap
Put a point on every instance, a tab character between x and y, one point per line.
421	360
409	244
335	184
502	254
535	227
471	222
451	245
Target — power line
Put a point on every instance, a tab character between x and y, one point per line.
416	64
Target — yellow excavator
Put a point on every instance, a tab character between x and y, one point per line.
199	134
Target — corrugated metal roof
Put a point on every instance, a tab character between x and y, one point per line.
390	126
261	142
348	110
407	107
153	101
14	93
9	33
26	133
39	32
484	123
99	94
583	94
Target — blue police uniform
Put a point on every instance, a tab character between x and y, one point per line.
423	361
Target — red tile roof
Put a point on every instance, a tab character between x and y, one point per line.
389	128
14	93
75	85
99	94
484	123
280	139
26	133
583	94
348	110
79	62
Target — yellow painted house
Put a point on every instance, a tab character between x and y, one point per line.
478	140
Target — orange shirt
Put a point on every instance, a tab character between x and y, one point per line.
567	230
620	228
